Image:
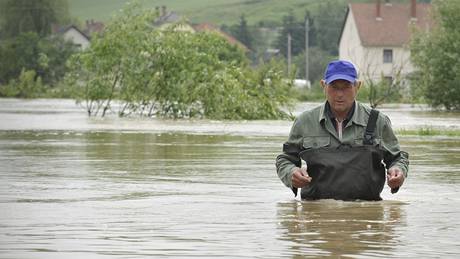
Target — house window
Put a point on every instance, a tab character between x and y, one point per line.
387	56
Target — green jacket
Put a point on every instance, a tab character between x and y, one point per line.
314	129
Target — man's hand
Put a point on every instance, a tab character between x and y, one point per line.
300	177
395	178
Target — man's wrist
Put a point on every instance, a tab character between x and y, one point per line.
291	172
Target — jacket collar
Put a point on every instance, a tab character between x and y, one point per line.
359	114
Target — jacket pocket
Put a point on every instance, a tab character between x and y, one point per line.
316	142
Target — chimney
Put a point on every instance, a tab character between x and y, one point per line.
413	9
378	14
163	10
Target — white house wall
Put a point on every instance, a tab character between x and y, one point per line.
350	47
372	67
76	38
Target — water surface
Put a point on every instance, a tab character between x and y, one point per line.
78	187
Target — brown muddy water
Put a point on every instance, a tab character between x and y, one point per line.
79	187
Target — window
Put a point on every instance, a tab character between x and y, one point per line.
387	56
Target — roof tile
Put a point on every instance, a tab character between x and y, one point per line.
393	29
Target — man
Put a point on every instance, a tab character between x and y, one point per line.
347	150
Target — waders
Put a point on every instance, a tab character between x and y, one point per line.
347	172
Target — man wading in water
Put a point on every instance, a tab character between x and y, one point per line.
346	145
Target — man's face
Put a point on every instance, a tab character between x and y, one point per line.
341	95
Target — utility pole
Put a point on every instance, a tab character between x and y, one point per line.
307	28
289	53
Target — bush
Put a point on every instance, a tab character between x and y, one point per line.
28	85
173	73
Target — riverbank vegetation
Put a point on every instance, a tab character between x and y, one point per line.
429	132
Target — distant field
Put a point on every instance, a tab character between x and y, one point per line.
197	11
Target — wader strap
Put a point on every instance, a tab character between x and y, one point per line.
370	129
369	134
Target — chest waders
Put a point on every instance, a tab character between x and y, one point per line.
348	172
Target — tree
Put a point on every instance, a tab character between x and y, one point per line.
328	24
19	16
436	55
18	53
379	92
297	31
312	37
170	73
28	85
243	34
45	56
324	29
318	60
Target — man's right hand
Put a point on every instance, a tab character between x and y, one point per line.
300	177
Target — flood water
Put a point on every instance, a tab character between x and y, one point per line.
79	187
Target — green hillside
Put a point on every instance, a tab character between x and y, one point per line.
197	11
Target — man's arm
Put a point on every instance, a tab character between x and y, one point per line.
289	159
397	161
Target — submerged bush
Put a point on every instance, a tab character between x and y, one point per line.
174	73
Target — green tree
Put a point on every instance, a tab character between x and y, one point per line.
379	92
297	31
436	55
19	16
312	37
243	34
17	54
172	73
28	85
324	32
317	59
328	24
45	56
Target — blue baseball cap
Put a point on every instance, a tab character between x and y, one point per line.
340	69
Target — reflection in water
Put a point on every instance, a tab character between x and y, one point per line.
341	229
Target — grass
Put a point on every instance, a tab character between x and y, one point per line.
429	131
197	11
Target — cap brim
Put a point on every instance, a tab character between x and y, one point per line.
340	76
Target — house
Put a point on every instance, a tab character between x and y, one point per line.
93	27
376	37
80	38
76	36
169	18
211	28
